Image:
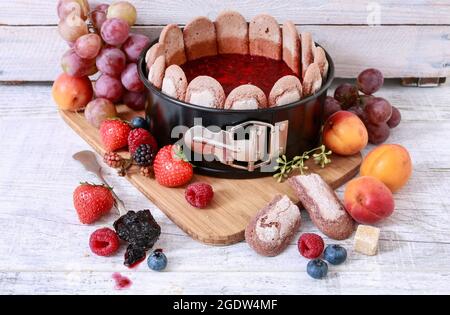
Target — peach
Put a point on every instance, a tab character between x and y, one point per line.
368	200
344	133
390	163
72	93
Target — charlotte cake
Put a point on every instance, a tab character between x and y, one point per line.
286	90
205	91
231	35
246	97
291	47
174	83
265	37
172	39
200	38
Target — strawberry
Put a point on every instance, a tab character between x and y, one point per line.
114	134
92	201
140	136
171	167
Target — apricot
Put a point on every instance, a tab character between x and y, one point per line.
368	200
390	163
344	133
72	93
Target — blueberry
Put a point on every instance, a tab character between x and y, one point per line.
317	268
157	261
139	122
335	254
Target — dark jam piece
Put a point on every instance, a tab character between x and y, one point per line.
233	70
141	232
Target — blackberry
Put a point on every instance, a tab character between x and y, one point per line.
144	155
140	230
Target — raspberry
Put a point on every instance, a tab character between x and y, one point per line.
199	195
140	136
104	242
113	159
310	245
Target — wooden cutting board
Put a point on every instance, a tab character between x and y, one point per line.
235	200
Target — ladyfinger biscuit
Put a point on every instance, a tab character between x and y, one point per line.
273	227
154	52
172	39
200	38
156	71
232	33
246	96
265	37
321	60
307	46
291	47
175	83
312	80
324	207
286	90
205	91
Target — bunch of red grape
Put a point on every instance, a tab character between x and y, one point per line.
100	41
378	115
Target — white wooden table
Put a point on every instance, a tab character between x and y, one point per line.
44	248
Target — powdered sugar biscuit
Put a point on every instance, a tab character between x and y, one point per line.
286	90
205	91
172	39
174	83
291	47
321	59
156	72
246	96
313	80
232	33
154	52
200	38
265	37
307	46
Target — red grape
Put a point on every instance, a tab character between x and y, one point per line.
130	79
66	7
75	66
88	46
358	111
378	110
134	46
135	100
72	27
330	107
109	87
115	31
98	15
369	81
377	133
123	10
99	110
395	119
346	94
111	61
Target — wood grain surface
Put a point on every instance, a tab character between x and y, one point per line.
224	221
344	12
45	249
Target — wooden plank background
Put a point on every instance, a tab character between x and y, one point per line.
412	40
